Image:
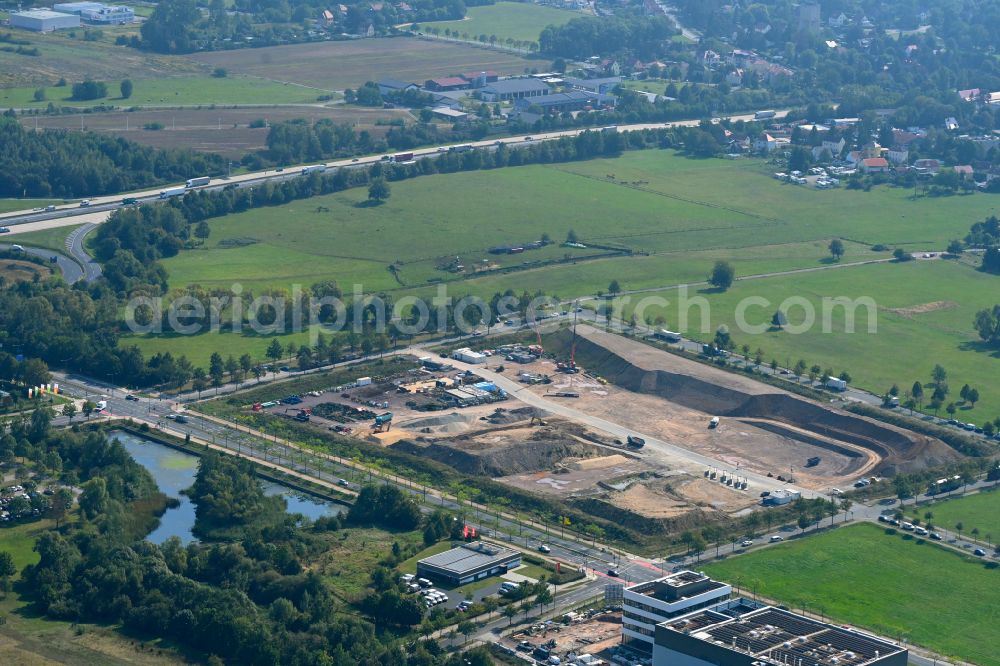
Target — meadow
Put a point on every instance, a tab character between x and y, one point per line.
357	61
677	216
53	239
64	56
519	21
172	91
980	511
862	576
8	205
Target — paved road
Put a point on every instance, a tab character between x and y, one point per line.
74	244
71	270
100	207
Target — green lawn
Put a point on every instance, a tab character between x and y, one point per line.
890	584
19	541
53	239
521	21
981	511
179	91
8	205
410	566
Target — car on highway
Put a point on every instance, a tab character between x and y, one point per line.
343	482
613	573
171	417
4	230
544	549
529	138
16	248
49	208
935	536
85	203
776	538
746	543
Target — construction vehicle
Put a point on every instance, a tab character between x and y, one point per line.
383	422
812	462
299	414
634	442
714	423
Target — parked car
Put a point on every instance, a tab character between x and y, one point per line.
4	230
935	536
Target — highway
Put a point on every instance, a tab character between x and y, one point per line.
101	207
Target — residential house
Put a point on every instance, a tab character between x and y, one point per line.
710	58
514	89
735	77
838	21
903	138
927	165
834	148
897	155
970	95
327	18
992	98
874	165
964	171
765	143
480	79
950	124
450	114
740	58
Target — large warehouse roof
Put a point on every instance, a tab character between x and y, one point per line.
468	557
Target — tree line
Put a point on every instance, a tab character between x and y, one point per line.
61	163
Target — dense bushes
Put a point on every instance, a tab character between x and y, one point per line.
61	163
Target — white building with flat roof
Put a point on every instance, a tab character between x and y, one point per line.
646	605
43	20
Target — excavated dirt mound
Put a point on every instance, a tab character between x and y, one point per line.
505	451
644	369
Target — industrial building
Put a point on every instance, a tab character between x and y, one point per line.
741	632
466	355
468	562
513	89
98	12
575	100
44	20
645	605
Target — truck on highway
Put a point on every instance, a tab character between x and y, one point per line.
315	168
460	149
197	182
402	158
129	201
764	115
835	384
172	192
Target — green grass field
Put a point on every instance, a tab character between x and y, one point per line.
53	239
924	315
981	511
520	21
19	540
179	91
889	584
8	205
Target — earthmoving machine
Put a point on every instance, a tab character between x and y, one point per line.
299	414
634	442
383	422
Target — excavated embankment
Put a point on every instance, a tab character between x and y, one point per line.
640	368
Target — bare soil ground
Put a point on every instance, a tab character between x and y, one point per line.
735	441
577	477
763	428
222	130
594	635
340	65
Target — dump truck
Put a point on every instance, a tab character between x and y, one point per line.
634	442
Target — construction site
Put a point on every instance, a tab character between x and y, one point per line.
617	427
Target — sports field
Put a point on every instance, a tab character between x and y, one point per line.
177	91
339	65
980	511
860	575
521	21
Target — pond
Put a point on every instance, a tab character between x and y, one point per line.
174	471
